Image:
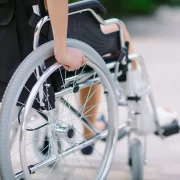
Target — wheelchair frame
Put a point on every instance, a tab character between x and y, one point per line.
111	65
114	65
117	90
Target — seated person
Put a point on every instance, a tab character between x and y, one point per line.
101	123
166	115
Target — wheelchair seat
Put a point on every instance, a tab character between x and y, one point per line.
87	4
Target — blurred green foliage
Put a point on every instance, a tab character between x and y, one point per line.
130	7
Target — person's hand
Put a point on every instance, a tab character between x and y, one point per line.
72	58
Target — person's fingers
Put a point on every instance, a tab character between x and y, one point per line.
83	61
65	67
68	68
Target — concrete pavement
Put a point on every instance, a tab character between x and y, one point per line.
157	38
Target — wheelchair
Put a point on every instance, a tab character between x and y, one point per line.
50	112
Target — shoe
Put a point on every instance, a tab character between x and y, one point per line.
45	150
121	133
169	125
89	149
166	115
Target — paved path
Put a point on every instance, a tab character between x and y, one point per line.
157	38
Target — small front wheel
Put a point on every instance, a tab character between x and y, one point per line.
136	160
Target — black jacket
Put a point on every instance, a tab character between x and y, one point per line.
16	37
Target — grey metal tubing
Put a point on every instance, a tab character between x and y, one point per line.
84	120
81	86
110	144
98	18
77	147
119	23
22	145
38	30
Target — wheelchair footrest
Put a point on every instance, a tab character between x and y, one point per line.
170	129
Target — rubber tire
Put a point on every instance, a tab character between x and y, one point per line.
15	86
136	160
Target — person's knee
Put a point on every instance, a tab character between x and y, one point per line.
113	28
109	29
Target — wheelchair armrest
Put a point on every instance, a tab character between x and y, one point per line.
87	4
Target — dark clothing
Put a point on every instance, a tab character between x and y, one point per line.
16	37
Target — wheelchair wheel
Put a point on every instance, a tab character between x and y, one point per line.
61	124
42	141
136	160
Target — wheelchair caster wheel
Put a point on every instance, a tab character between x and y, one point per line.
136	160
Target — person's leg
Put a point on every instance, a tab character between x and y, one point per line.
113	28
95	94
166	115
95	99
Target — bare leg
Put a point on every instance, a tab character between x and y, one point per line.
90	113
113	28
95	99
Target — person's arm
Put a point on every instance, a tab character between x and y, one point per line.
70	58
58	12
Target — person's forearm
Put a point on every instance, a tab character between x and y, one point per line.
58	12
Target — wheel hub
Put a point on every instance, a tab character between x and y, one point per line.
67	133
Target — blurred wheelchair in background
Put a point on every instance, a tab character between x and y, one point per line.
47	117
